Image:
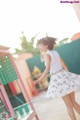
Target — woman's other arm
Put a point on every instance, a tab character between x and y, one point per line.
63	64
47	60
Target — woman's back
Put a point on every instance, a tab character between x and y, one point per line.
55	65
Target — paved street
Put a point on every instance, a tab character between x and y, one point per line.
52	109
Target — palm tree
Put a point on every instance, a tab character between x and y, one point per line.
27	47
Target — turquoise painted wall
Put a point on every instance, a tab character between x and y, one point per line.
70	53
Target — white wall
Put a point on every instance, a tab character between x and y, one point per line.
77	10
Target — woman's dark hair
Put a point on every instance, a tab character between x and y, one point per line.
50	41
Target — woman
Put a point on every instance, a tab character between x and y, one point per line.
62	83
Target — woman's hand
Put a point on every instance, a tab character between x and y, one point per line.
37	81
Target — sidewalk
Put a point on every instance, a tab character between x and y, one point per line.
52	109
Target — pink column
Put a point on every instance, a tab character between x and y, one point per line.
23	88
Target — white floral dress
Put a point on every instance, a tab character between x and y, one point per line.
62	82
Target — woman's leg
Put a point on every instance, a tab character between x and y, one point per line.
75	104
69	105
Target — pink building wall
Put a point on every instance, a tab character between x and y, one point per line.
75	36
25	74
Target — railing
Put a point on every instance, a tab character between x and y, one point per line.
23	112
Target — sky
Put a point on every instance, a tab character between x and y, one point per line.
36	16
